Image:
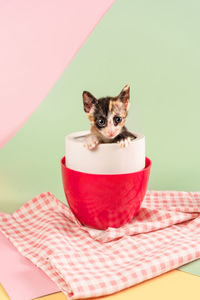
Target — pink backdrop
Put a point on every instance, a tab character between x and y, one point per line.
38	39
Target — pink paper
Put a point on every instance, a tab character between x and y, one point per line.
38	39
21	279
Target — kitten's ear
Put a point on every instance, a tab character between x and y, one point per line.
88	101
125	95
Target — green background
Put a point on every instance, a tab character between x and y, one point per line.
153	46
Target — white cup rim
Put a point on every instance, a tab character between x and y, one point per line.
81	134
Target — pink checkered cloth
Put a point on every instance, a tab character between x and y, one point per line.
85	262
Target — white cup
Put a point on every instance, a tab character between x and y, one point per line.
106	158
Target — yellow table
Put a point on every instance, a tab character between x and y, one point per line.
172	285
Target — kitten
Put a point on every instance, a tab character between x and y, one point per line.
107	116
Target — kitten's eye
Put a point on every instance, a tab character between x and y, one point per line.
117	120
101	122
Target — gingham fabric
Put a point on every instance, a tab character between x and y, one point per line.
85	262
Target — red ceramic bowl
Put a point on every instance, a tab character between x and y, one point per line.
103	201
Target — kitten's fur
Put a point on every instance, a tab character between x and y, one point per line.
107	116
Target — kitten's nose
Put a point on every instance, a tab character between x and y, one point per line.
110	133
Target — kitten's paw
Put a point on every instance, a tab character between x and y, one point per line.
91	142
124	142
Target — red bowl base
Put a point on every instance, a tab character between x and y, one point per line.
102	201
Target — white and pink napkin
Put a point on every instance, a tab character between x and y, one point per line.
86	262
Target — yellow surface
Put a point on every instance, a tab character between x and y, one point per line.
3	294
173	285
56	296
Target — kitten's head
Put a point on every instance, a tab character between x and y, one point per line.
107	114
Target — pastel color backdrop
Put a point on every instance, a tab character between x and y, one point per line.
152	45
38	39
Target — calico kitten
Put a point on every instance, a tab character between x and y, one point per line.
107	116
